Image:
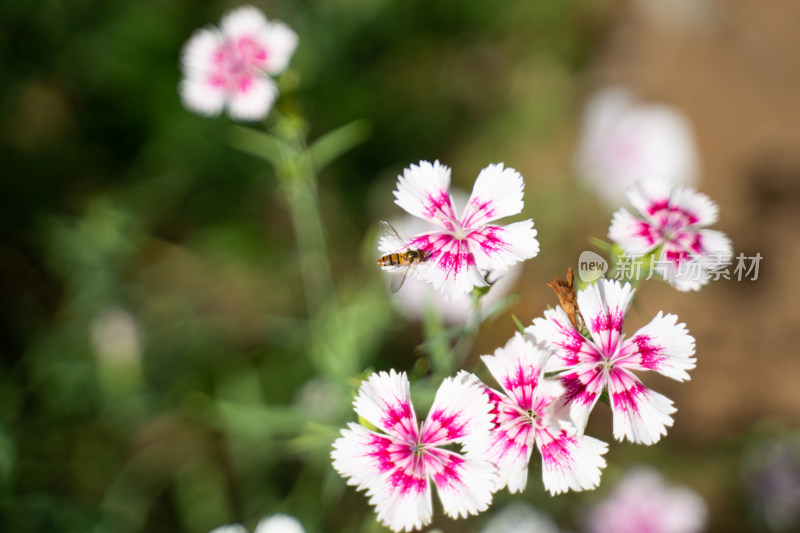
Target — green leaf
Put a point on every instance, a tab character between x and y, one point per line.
257	143
335	143
519	325
600	243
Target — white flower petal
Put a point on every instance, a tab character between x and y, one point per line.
649	195
197	55
423	191
465	484
280	41
365	458
518	368
385	401
498	247
702	209
450	265
640	414
252	99
570	462
663	345
279	523
404	506
244	21
230	528
557	332
460	413
200	95
497	193
583	384
603	306
635	236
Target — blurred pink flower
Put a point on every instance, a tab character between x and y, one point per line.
643	503
674	219
230	66
623	141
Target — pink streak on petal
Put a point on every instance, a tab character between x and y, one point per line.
244	83
446	252
521	384
440	204
583	385
628	392
453	425
646	231
400	418
573	345
404	481
481	210
556	450
448	473
651	355
488	239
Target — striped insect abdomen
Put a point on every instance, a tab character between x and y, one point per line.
392	260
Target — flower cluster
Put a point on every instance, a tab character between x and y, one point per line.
498	429
230	67
550	374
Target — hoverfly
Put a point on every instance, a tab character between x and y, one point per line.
400	262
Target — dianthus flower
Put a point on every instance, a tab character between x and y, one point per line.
524	415
230	66
462	247
396	467
674	220
605	361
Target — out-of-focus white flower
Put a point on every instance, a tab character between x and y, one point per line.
414	298
398	466
674	219
277	523
606	361
524	417
115	337
623	141
230	66
643	502
519	517
461	247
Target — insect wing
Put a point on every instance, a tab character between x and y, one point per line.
390	240
399	277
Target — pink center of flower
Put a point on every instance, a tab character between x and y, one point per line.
236	64
670	220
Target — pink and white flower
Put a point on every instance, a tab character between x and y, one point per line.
230	66
643	502
606	360
396	467
674	221
624	141
524	416
463	246
414	299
